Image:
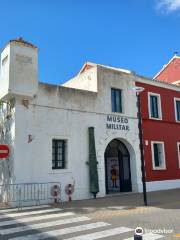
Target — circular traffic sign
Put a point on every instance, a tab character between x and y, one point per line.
4	151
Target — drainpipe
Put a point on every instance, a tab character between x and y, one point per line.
141	149
138	91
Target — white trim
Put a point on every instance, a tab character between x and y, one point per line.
159	105
178	150
104	66
163	185
176	82
175	100
152	154
116	69
157	83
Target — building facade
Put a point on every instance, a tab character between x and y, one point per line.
47	126
161	133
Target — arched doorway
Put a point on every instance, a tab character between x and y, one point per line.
117	166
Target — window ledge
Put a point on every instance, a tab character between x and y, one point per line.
157	169
59	171
122	113
158	119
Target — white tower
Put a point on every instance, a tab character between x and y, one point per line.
19	70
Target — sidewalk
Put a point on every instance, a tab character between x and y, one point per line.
168	199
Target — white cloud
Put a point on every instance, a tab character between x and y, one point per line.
168	5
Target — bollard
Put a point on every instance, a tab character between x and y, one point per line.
137	237
138	233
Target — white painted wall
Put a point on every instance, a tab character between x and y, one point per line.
19	74
163	185
84	81
65	113
4	73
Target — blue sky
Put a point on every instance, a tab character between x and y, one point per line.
139	35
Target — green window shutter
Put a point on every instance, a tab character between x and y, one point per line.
154	106
156	155
178	110
113	102
116	100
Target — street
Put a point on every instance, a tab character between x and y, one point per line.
113	217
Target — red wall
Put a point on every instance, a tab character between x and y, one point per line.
171	73
166	130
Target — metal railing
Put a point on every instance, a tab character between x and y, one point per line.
28	192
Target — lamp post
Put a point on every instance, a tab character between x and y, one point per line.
138	90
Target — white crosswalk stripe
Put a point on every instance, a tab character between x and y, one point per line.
148	236
63	231
102	234
43	225
7	210
19	214
36	218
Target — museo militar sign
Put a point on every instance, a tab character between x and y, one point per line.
117	123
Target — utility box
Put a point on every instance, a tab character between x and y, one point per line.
19	70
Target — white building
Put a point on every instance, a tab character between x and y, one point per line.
42	117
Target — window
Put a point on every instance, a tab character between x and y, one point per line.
116	100
158	156
178	148
177	109
58	154
154	106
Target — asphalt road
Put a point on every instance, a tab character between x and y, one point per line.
113	217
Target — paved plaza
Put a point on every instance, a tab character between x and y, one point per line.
114	217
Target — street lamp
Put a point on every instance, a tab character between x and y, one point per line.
138	90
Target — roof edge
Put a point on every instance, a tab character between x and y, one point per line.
21	41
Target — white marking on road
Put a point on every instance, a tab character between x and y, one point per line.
43	225
19	214
116	207
7	210
102	234
148	236
36	218
63	231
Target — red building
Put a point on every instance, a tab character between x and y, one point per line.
160	107
170	72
